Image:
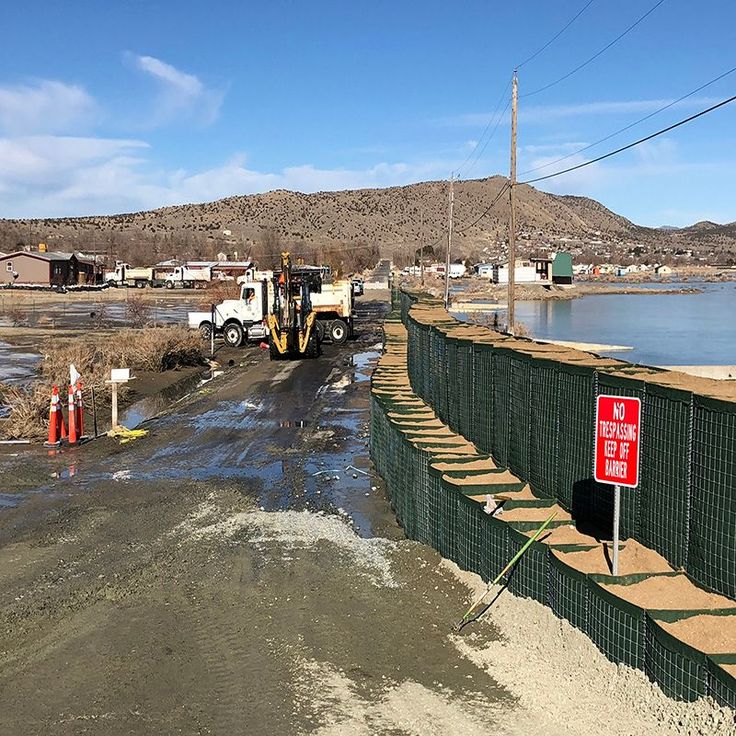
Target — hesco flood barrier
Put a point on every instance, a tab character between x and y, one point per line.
480	436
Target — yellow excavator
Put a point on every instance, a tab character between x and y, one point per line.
291	321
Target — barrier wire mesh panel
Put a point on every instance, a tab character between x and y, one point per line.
568	593
712	552
544	411
519	424
482	434
617	627
470	533
576	420
464	392
720	681
677	668
501	406
665	471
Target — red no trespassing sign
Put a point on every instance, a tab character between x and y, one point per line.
617	440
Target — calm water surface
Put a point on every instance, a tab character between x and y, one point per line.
663	329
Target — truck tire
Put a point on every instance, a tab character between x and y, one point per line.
205	329
320	329
140	284
233	335
169	284
338	332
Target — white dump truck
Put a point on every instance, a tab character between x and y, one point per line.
188	276
244	319
237	320
335	313
125	275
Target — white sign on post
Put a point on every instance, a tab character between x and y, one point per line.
119	375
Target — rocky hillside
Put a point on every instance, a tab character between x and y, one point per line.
396	221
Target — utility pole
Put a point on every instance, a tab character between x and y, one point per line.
512	203
421	251
449	242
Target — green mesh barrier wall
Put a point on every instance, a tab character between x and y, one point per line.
501	402
519	414
665	473
482	432
712	551
575	438
544	411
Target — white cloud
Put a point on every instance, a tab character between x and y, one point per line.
54	176
180	94
45	106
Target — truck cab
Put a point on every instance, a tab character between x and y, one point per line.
237	320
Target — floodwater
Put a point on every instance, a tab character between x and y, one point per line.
17	364
662	329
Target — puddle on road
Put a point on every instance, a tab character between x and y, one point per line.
150	406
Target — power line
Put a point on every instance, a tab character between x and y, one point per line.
556	36
632	125
597	54
488	125
503	190
485	145
635	143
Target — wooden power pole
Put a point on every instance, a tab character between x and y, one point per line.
449	242
512	209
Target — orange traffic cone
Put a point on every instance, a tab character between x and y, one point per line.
80	410
54	412
72	418
62	423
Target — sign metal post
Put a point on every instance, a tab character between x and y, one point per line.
617	446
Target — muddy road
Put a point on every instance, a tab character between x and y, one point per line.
239	571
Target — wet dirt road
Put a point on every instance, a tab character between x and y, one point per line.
238	571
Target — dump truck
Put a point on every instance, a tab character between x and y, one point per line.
125	275
242	320
188	276
335	313
237	320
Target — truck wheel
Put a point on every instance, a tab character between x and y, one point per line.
233	335
169	284
140	284
338	332
320	329
205	329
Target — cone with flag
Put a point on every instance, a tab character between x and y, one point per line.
73	437
80	409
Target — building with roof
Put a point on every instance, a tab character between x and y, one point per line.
47	269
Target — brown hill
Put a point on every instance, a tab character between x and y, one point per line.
396	221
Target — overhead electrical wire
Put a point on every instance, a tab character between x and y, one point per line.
631	125
485	130
500	194
556	36
597	54
635	143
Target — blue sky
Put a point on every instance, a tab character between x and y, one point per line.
109	107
